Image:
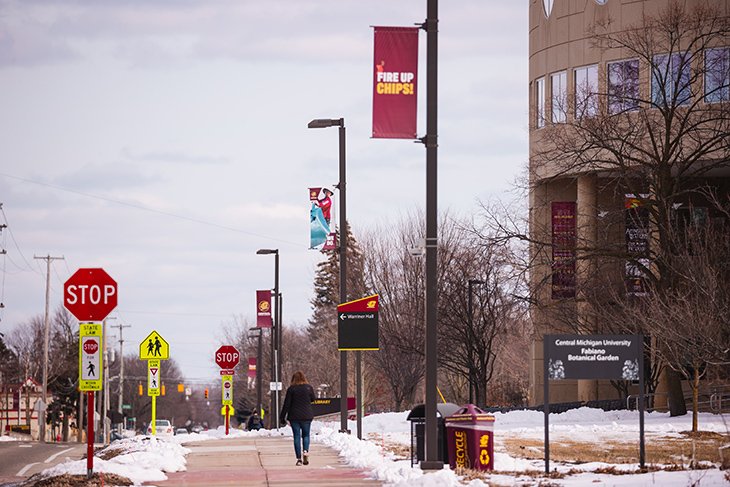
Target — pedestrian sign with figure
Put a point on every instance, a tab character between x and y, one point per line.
153	377
154	347
90	368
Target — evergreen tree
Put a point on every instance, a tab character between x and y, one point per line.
8	363
323	323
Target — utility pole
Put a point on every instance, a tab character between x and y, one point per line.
42	412
121	366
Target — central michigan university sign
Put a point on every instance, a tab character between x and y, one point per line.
614	357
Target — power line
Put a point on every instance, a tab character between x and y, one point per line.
10	231
151	210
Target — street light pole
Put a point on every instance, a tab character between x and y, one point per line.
275	340
341	185
431	460
259	358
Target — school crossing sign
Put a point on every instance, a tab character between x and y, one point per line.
154	347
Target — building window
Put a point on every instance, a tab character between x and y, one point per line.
717	75
559	100
586	87
623	86
670	82
540	102
547	6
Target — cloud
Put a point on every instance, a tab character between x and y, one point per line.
109	176
27	42
173	157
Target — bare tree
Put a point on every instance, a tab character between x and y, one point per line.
393	272
660	130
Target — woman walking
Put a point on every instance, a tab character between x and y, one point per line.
297	410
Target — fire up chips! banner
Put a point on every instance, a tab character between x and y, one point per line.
395	79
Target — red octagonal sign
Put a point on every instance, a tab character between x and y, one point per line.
90	294
91	346
227	357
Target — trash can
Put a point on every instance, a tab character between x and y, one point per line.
470	439
417	417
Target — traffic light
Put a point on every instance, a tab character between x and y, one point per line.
206	393
141	390
163	389
181	387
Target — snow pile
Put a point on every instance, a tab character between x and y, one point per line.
140	459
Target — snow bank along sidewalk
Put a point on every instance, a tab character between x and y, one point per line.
384	454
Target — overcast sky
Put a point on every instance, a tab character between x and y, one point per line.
166	141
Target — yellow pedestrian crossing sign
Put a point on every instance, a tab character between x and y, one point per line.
154	347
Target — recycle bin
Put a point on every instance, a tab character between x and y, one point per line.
470	439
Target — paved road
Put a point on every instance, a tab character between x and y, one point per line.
21	459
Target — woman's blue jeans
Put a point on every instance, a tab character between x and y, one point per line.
300	429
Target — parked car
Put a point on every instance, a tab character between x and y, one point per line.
181	431
163	428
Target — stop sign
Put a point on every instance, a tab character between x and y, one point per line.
91	346
90	294
227	357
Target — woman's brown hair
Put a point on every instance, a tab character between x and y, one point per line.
298	378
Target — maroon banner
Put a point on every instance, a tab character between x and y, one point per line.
252	366
263	309
636	218
563	226
395	79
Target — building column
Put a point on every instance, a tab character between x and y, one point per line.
586	212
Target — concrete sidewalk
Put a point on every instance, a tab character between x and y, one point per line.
263	461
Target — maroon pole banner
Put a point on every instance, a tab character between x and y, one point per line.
395	79
563	226
263	309
252	367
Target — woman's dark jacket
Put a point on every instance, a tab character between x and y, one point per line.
298	403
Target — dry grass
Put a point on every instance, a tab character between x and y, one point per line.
684	451
68	480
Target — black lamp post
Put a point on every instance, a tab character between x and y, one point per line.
318	124
257	332
472	282
275	340
431	461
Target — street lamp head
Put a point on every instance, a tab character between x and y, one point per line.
267	251
320	123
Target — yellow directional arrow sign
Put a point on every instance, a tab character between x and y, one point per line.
154	347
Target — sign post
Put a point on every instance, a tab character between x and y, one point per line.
357	329
227	358
90	294
615	357
153	349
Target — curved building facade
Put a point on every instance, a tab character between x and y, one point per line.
586	84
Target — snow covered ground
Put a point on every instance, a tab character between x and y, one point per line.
147	459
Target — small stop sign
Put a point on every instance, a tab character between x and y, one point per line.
227	357
91	346
90	294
